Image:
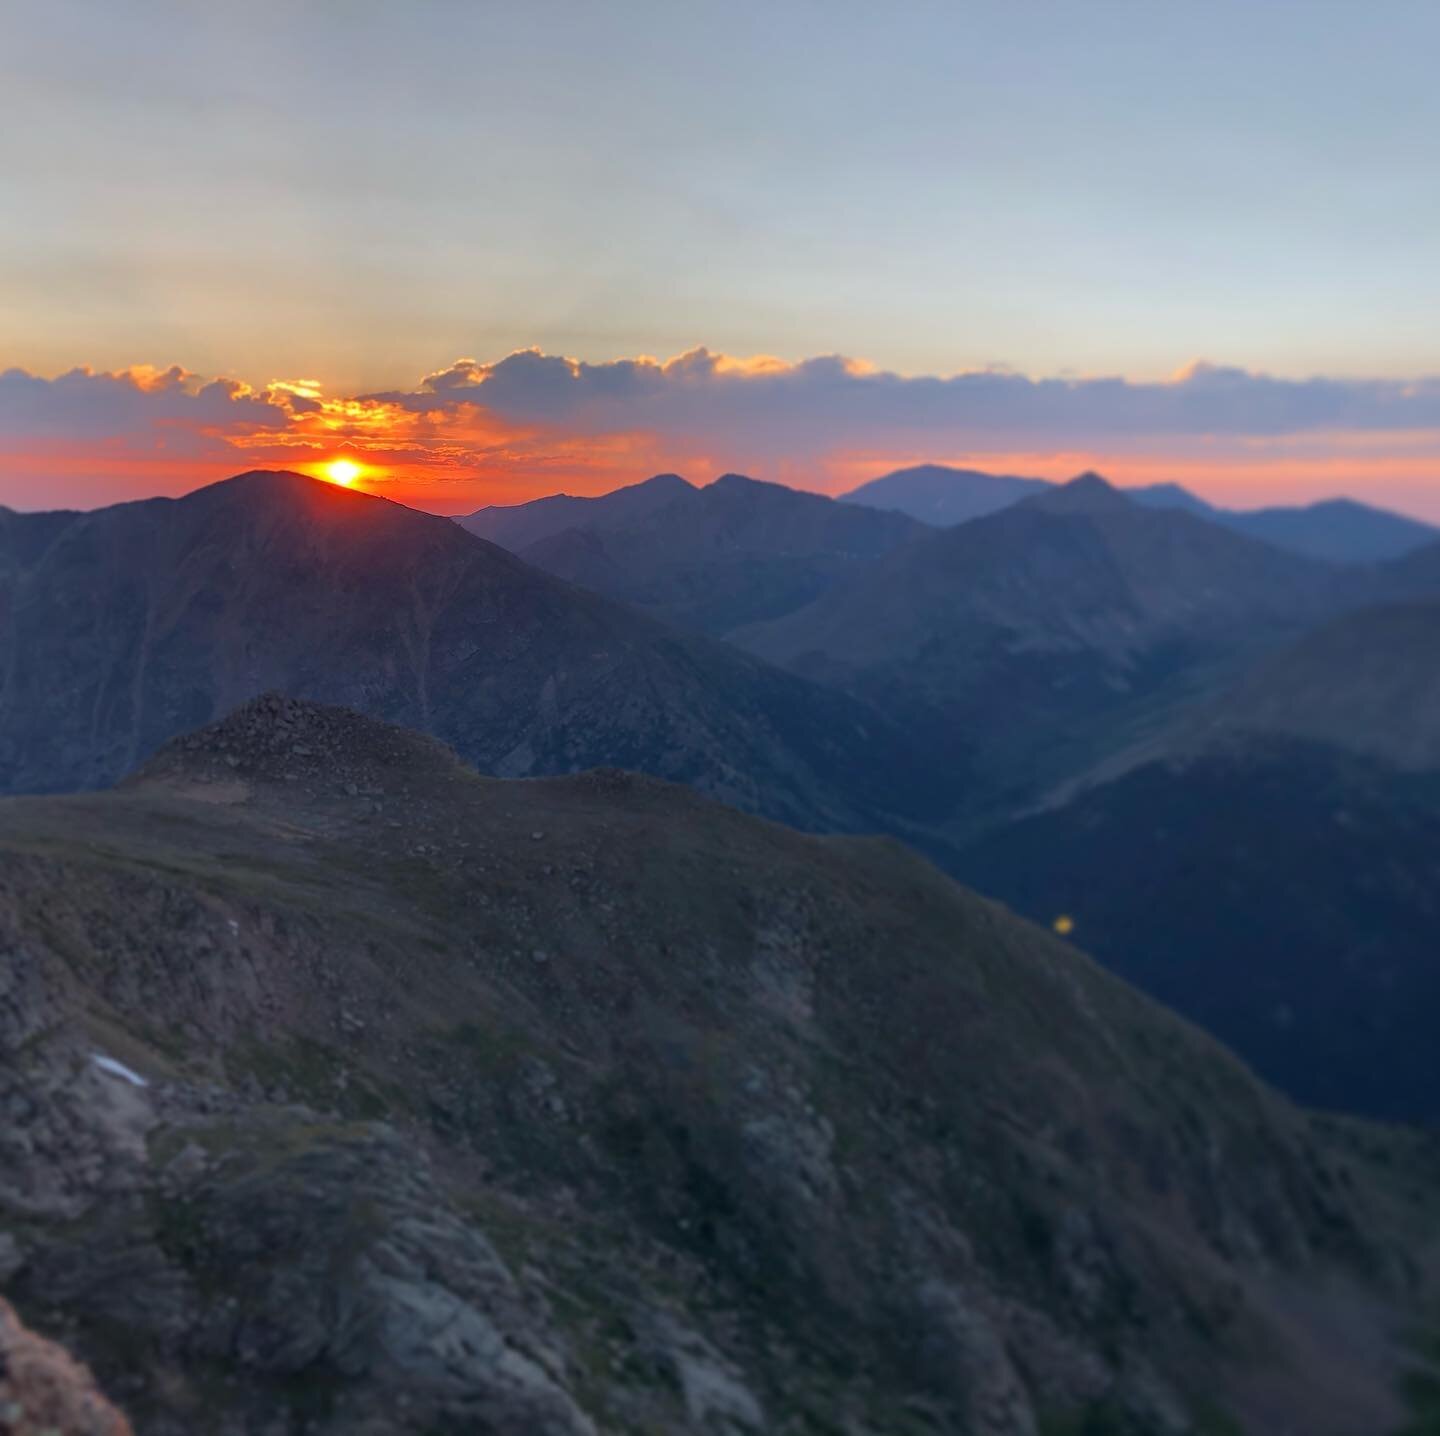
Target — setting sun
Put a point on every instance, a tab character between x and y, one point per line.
342	471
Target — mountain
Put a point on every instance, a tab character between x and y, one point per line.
1044	634
942	496
1337	529
127	625
350	1091
1283	894
1367	683
1269	864
710	559
1340	530
515	526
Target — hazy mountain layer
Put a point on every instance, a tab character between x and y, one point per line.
942	496
1339	529
353	1091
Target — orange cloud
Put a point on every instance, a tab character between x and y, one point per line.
533	423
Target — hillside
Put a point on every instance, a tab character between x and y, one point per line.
1047	633
710	559
127	625
1367	682
1283	894
360	1091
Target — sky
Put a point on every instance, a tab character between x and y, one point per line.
489	251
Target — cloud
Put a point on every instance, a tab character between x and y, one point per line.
531	422
814	402
140	405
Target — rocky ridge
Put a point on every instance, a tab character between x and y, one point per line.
351	1091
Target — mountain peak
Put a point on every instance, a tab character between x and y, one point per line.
657	483
1087	493
276	738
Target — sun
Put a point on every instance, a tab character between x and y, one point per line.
343	471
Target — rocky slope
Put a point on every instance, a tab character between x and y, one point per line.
122	627
736	551
43	1392
351	1091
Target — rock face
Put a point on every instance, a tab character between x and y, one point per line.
44	1392
348	1091
125	626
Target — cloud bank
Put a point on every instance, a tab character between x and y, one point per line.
532	422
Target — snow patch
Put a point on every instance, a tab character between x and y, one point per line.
117	1069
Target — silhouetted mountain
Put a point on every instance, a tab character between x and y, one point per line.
1340	529
1337	529
712	558
942	496
1045	632
515	526
1368	683
127	625
587	1105
1171	496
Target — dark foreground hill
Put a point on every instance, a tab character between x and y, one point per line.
348	1091
122	627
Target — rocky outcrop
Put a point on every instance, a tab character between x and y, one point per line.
45	1392
350	1091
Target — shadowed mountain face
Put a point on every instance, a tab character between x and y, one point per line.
363	1092
1046	633
1366	683
127	625
1337	529
1270	863
515	526
1283	894
1340	530
710	559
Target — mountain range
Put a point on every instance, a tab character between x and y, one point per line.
736	551
353	1091
1338	529
1046	632
126	625
1024	697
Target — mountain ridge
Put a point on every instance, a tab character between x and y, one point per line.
131	624
429	1104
